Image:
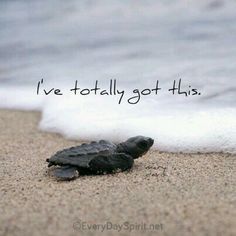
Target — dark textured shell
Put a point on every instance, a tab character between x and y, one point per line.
80	156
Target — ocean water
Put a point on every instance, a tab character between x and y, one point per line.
135	44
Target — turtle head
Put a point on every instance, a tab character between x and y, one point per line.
136	146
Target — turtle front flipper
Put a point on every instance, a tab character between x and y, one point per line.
65	172
101	164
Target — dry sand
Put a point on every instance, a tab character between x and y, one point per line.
195	195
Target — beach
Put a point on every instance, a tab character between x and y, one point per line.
163	194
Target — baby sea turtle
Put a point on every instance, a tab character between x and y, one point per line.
98	157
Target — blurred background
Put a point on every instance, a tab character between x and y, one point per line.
128	40
135	42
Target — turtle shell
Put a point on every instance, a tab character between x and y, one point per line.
80	156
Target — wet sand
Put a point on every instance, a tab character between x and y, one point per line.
164	194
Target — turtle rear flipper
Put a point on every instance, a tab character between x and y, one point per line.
65	172
110	163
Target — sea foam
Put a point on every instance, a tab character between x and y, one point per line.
175	128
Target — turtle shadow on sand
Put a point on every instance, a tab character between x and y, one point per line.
102	157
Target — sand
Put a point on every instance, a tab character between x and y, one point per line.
194	195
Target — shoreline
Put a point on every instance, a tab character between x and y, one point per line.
194	195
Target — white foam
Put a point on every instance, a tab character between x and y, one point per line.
203	130
19	97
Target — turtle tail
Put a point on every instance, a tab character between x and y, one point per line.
50	163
